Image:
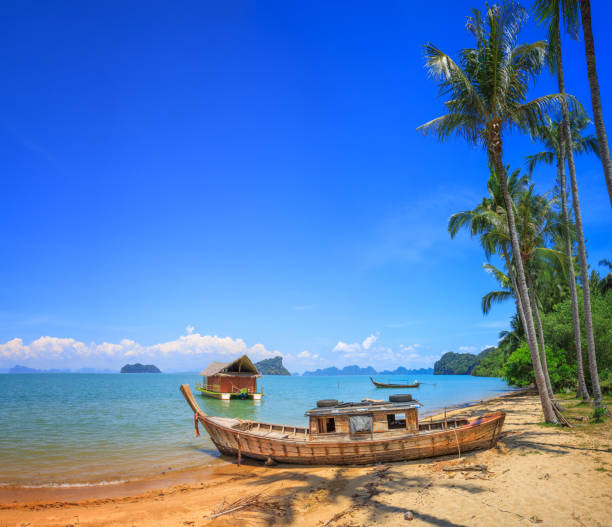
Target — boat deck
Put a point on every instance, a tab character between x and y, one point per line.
302	434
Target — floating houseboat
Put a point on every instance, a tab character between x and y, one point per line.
231	380
350	434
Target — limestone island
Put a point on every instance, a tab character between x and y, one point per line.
273	366
140	368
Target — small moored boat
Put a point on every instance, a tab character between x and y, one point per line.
416	384
349	434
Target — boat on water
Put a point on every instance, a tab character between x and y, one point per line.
349	434
231	380
415	384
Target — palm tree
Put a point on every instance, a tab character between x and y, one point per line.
602	138
489	221
551	135
536	222
550	12
485	98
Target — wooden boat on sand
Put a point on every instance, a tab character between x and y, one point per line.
349	434
416	384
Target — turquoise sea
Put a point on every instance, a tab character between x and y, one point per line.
81	429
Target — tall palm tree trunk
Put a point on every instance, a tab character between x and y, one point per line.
540	332
547	407
519	307
602	138
583	391
584	270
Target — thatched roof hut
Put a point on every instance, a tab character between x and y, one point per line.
242	367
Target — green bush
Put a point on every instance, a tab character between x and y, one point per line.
518	370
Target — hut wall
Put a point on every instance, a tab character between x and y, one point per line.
228	384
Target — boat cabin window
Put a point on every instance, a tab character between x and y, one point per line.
327	425
396	421
360	423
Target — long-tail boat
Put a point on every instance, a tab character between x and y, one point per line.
416	384
349	434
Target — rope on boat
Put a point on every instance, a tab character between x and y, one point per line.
457	439
195	421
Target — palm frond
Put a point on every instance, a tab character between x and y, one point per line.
494	297
527	117
546	158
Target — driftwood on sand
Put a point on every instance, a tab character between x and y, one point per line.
462	468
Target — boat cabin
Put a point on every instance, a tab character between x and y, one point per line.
365	418
236	379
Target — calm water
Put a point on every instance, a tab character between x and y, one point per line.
82	428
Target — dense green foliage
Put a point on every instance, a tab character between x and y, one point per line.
452	363
273	366
490	363
559	332
518	371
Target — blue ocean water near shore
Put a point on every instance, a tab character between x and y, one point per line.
79	429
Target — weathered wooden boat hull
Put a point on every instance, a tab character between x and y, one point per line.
386	385
289	444
480	434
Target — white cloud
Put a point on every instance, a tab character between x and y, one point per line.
367	343
307	355
343	347
52	349
409	347
189	329
467	349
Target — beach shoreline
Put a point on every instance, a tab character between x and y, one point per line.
132	486
528	474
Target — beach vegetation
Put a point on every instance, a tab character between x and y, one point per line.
539	239
486	98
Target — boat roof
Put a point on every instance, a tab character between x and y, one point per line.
363	408
241	366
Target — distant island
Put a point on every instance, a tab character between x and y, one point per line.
140	368
487	363
273	366
369	370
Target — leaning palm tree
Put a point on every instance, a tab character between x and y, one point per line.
550	12
551	135
486	95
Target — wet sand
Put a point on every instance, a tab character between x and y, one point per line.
536	474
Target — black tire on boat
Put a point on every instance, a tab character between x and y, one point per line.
326	403
400	398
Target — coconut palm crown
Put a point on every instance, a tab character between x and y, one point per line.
550	134
486	90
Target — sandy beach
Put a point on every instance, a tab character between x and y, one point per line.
536	474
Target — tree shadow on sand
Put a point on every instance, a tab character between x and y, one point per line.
365	494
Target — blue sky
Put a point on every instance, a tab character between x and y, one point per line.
184	182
